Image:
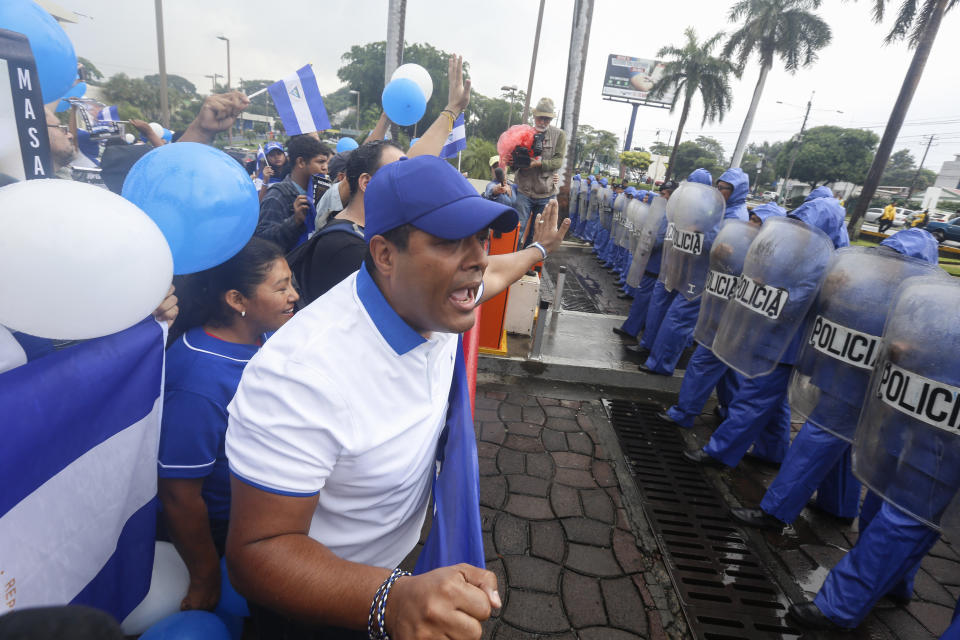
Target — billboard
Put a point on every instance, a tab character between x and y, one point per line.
631	79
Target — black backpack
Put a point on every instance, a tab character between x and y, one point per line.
301	257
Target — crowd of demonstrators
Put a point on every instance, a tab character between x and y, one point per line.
754	411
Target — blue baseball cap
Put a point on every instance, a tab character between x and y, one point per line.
272	146
430	194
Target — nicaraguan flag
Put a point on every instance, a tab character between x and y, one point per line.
299	103
78	467
456	534
261	161
109	114
456	141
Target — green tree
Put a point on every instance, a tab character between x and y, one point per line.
921	26
94	75
830	154
691	156
660	149
773	28
902	171
476	156
598	145
140	98
711	145
691	69
636	162
764	156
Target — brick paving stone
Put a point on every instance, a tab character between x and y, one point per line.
529	507
493	492
583	600
571	404
903	625
489	548
511	413
506	632
580	443
525	572
565	501
560	412
509	461
487	516
524	429
540	465
496	395
522	443
496	566
527	485
624	605
934	617
548	402
510	535
622	521
534	415
929	589
943	550
486	402
614	493
627	552
824	555
575	478
598	505
535	612
486	415
488	467
547	541
554	440
603	474
585	423
641	585
492	433
943	571
954	591
487	450
600	453
563	424
592	561
604	633
587	531
568	460
522	399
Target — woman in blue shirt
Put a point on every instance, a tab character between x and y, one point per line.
224	313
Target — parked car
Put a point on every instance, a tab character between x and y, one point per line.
899	218
943	231
770	196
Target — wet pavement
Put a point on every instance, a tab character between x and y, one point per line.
566	528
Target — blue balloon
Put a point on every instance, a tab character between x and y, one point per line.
167	135
76	91
403	101
188	625
346	144
231	603
52	50
202	199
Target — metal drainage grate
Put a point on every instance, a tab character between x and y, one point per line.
576	297
723	586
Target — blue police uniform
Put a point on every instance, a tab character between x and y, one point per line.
759	399
202	375
677	328
706	371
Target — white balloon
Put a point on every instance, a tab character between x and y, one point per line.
157	128
129	138
12	354
77	261
418	74
168	587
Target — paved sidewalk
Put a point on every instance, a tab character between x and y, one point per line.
556	529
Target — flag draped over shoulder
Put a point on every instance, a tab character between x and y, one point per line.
78	467
456	141
299	103
456	534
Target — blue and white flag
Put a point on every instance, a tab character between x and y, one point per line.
456	534
456	141
78	467
109	114
299	103
261	161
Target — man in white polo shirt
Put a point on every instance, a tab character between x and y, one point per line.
333	433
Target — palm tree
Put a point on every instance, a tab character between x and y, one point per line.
784	28
921	27
693	68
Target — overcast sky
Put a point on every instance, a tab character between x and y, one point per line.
856	74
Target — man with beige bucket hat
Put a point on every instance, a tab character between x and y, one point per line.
535	184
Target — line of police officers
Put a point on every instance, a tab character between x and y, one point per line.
861	343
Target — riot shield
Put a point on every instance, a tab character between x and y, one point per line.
592	211
696	211
582	199
619	218
648	237
606	211
842	337
782	273
726	264
907	443
574	206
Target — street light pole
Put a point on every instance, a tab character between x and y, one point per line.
512	91
358	107
227	40
164	103
533	63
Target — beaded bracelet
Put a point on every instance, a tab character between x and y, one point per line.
450	114
379	606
